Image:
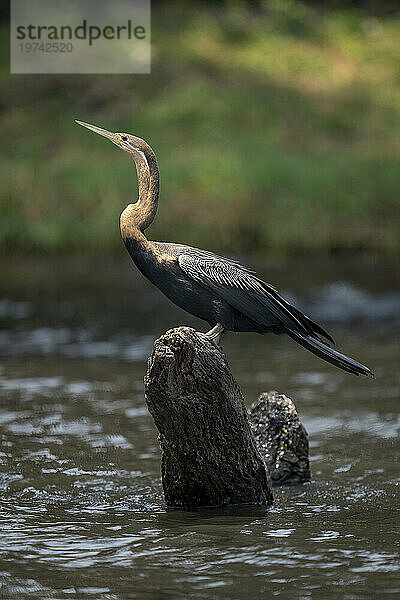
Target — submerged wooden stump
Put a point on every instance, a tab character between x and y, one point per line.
211	454
280	438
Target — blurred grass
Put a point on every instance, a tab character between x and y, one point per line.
276	129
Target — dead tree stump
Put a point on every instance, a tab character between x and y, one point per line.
210	455
280	438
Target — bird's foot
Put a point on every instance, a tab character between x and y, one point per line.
215	334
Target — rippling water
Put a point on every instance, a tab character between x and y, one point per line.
81	508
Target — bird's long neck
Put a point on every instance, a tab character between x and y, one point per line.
137	217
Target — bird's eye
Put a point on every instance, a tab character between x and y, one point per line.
124	138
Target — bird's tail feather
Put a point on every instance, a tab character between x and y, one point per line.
329	354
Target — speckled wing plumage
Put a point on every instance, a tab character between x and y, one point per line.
261	303
239	286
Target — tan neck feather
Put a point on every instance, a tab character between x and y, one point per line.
137	217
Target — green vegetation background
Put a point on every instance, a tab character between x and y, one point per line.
276	129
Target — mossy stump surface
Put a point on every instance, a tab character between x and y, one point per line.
211	454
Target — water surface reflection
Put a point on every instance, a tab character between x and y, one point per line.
81	511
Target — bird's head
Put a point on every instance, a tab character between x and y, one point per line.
131	144
141	214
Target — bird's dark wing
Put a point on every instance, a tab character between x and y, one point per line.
251	296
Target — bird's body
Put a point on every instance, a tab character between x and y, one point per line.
218	290
160	263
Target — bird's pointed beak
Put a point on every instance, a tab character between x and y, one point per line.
107	134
